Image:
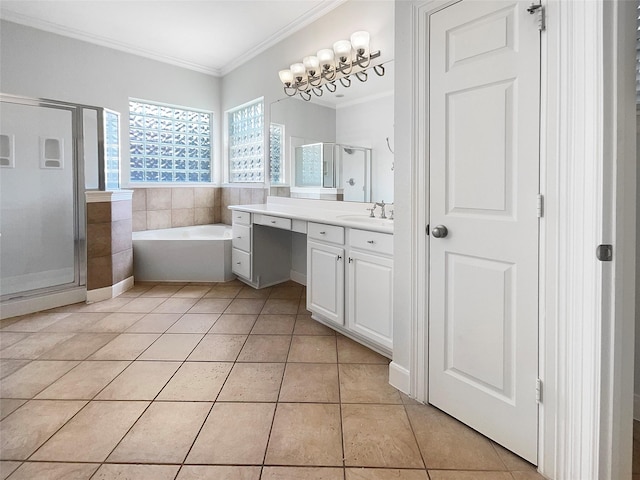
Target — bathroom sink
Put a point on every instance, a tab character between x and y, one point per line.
367	220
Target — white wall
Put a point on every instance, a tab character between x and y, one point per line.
45	65
368	124
636	389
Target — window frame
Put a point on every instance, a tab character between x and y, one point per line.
126	166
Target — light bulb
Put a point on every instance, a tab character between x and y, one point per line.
325	57
360	42
311	63
286	76
342	48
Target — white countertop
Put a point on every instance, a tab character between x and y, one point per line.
345	214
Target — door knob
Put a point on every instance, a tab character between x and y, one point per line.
439	231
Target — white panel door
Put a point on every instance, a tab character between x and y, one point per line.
371	314
484	177
325	281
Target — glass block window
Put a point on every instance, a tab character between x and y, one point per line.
169	144
245	131
276	153
112	149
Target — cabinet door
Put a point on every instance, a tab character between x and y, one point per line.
325	281
370	297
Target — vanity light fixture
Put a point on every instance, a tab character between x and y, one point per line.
348	57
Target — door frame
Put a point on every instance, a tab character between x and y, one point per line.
586	314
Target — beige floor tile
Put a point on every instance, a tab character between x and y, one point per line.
310	382
265	348
223	291
35	322
9	338
194	323
218	348
313	349
305	325
281	306
352	352
142	304
137	290
302	307
6	468
84	381
511	460
287	292
306	473
197	382
366	384
192	291
140	381
126	346
34	377
136	472
116	322
77	322
8	406
274	325
78	347
245	306
233	434
407	400
9	366
250	292
176	347
111	305
449	444
219	472
305	434
30	426
384	474
232	323
536	476
55	471
93	433
253	382
163	434
154	323
210	305
175	305
163	290
34	345
468	475
379	436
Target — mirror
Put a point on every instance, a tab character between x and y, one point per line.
338	146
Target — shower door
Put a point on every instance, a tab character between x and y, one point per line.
39	208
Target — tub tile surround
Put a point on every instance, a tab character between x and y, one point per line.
168	207
261	409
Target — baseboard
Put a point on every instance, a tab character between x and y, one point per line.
24	306
298	277
106	293
400	378
636	407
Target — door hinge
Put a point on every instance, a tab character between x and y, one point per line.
538	390
540	205
539	9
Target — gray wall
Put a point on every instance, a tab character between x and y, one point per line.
637	350
45	65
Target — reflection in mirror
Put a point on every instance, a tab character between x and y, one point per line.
353	125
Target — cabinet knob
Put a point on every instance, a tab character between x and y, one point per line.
339	258
273	221
238	263
371	242
238	237
323	233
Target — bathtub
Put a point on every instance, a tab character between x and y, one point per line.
201	253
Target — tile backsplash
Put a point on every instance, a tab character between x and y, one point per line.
155	208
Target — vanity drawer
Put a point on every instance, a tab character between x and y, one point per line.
327	233
241	237
371	241
243	218
270	221
241	263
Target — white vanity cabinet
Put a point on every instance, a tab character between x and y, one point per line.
325	272
261	248
358	299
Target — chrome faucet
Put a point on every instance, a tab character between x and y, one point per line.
371	210
381	205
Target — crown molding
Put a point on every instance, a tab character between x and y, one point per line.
297	24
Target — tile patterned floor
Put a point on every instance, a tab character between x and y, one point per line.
218	381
